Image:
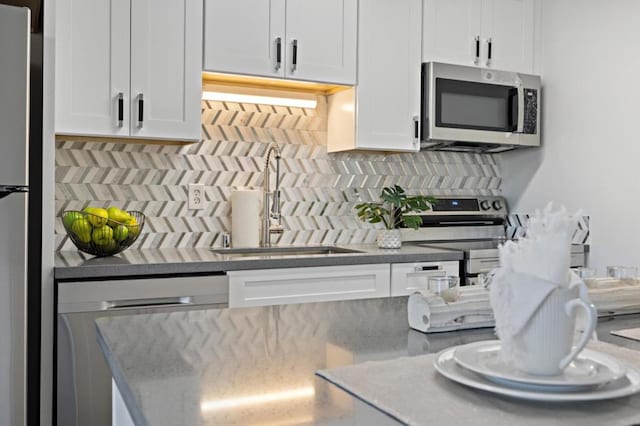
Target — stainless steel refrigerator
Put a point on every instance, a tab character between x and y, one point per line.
15	43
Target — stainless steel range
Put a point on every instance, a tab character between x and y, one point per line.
474	225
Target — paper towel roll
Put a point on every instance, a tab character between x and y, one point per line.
245	218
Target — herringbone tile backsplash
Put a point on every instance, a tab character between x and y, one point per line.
319	190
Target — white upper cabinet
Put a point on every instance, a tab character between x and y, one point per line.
311	40
166	68
487	33
512	24
129	68
383	111
92	67
321	40
451	31
244	36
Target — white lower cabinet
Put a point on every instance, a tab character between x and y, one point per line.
313	284
407	278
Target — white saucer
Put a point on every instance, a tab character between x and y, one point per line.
588	370
446	365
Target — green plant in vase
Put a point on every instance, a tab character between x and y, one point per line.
395	210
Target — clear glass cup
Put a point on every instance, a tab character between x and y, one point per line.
587	275
628	274
445	286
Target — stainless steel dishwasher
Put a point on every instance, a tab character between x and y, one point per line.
83	379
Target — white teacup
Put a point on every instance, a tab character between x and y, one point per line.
544	346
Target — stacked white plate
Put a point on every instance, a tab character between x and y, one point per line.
591	376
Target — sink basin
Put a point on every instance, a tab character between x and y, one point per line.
283	251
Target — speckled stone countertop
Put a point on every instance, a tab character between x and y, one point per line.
70	265
256	365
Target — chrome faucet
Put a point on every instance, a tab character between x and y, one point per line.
271	215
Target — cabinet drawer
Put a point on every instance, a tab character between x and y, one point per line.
299	285
407	278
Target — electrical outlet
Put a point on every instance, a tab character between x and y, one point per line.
196	196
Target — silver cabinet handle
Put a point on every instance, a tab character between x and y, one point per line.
294	55
278	53
147	303
140	110
120	100
489	50
430	268
476	59
416	129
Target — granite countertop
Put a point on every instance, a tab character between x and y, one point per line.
256	365
70	265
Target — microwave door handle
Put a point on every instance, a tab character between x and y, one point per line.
520	127
512	110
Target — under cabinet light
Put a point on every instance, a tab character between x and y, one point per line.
300	102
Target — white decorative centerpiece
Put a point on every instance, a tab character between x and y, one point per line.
395	210
535	297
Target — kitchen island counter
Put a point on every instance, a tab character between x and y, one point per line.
75	265
256	365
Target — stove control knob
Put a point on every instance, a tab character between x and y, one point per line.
484	205
497	205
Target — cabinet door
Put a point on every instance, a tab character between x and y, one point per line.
388	92
166	67
321	40
92	67
509	24
301	285
240	36
450	30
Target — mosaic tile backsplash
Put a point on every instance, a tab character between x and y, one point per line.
319	190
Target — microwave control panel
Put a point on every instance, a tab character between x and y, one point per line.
530	126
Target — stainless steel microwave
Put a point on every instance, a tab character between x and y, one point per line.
478	109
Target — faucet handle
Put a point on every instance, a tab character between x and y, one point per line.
276	228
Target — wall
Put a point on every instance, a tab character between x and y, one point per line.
319	190
48	219
589	157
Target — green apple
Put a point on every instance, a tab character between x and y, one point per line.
108	246
102	235
120	233
70	217
81	228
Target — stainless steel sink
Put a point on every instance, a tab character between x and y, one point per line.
283	251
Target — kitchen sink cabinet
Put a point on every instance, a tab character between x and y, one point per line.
496	34
383	111
407	278
310	284
311	40
129	68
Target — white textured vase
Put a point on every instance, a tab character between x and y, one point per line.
389	239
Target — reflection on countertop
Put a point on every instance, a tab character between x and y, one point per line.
256	365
